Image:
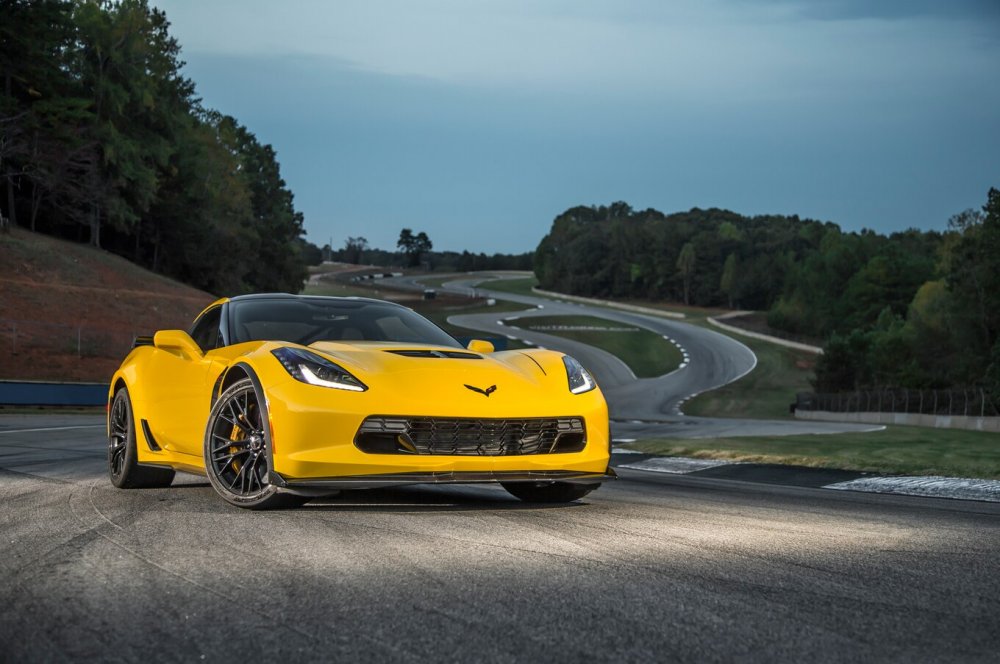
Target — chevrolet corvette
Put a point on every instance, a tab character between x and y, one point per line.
280	398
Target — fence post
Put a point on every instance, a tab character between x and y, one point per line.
935	402
982	403
920	408
951	402
965	395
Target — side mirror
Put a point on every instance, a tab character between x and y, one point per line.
178	342
480	346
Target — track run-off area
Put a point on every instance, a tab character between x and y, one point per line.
651	567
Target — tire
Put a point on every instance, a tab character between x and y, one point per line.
236	451
548	492
123	458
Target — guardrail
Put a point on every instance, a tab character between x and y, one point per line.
944	409
970	402
41	393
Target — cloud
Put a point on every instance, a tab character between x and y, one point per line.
502	114
839	10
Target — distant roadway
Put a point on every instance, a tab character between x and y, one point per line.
640	407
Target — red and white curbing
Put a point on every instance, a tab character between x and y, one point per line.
931	486
674	465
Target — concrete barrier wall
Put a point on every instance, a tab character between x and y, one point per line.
38	393
764	337
906	419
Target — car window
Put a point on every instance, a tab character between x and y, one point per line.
205	330
310	319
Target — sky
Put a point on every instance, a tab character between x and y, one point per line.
479	121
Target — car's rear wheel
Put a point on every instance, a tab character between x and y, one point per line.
548	492
236	451
123	458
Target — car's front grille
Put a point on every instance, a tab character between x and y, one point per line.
470	436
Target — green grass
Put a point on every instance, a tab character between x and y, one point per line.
437	282
646	353
520	286
764	393
440	315
341	289
907	450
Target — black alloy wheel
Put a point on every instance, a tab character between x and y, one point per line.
236	451
123	458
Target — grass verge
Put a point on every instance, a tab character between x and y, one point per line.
906	450
440	316
341	289
646	353
521	286
764	393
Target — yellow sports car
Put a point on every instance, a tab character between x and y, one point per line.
282	398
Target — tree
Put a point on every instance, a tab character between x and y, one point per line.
974	275
413	246
843	366
354	249
38	107
686	264
275	224
129	64
730	282
422	245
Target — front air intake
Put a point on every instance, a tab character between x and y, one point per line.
470	436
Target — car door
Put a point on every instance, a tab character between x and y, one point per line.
182	389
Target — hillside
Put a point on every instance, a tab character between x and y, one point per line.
69	311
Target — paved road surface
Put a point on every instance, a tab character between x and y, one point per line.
649	568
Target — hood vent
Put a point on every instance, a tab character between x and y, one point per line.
453	354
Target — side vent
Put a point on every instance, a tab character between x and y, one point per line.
150	441
452	354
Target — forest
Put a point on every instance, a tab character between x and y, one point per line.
913	309
419	253
103	140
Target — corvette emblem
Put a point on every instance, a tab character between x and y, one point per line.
487	392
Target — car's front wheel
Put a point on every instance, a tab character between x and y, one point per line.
548	492
123	457
236	451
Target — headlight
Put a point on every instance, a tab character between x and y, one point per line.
580	380
311	368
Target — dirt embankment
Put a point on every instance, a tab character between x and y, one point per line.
69	311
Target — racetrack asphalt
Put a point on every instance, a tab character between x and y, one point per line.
651	567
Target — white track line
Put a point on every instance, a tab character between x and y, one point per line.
82	426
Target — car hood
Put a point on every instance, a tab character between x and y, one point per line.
419	372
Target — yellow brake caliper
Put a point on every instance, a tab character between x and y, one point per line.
235	435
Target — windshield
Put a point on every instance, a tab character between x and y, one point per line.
308	320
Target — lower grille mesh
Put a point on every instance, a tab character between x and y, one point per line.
470	436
